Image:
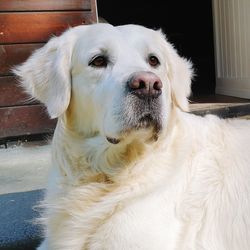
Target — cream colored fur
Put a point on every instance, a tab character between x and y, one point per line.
188	188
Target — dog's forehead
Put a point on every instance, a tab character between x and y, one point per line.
129	35
96	33
138	32
141	37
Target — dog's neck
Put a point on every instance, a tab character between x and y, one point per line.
91	158
85	158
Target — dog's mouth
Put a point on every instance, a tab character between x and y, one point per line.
113	140
146	121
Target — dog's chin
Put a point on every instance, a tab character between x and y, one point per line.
146	127
148	122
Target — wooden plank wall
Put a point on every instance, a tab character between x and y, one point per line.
26	25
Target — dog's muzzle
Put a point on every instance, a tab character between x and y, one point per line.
142	105
143	101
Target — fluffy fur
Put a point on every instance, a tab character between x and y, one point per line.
184	186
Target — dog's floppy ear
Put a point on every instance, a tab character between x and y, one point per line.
180	74
46	74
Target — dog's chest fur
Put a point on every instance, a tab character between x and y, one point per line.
141	224
137	215
178	198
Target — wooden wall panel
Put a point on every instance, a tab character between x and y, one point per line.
25	120
11	94
13	54
25	25
33	5
31	27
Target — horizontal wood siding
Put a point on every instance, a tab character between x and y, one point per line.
25	25
38	26
13	94
13	54
33	5
25	120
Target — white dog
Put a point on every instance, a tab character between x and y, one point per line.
131	169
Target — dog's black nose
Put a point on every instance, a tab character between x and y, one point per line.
145	84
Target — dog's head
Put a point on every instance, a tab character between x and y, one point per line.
108	80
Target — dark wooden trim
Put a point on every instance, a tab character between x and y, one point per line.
25	120
34	5
94	10
14	54
32	27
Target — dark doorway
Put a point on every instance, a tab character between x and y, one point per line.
188	25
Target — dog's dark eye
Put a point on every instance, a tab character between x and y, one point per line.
153	61
99	62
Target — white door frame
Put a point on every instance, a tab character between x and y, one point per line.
232	47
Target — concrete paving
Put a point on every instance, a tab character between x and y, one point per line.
24	168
